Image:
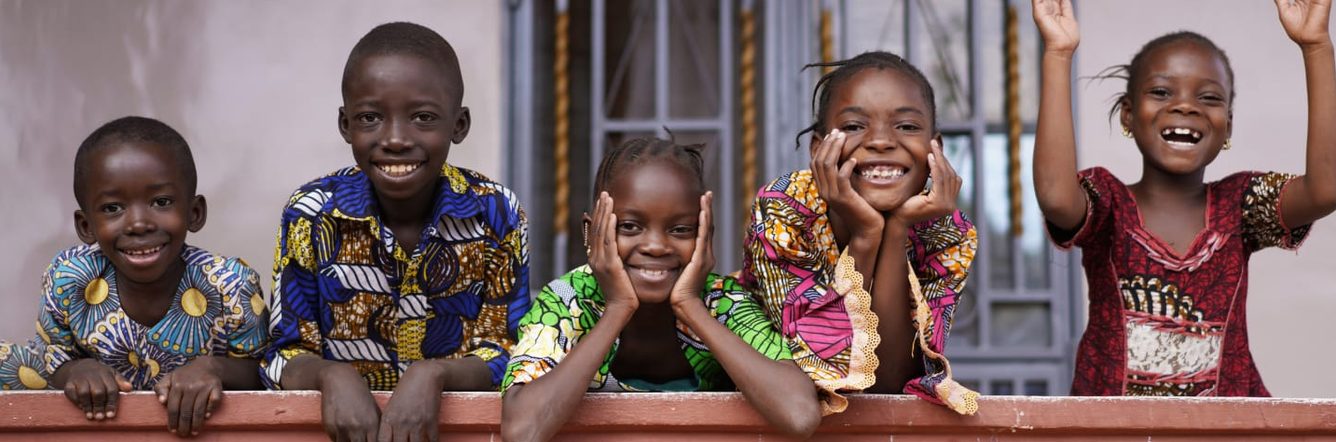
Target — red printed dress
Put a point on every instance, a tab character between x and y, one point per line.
1164	324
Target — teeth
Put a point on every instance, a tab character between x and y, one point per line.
882	172
144	252
1196	136
398	169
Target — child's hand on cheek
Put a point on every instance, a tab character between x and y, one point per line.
686	291
834	184
607	265
94	388
190	393
940	199
1305	21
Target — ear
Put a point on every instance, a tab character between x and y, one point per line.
1125	112
1229	128
83	228
343	126
811	145
462	123
199	211
938	138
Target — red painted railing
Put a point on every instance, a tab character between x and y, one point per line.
698	417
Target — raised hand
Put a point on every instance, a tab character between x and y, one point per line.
190	393
834	184
1305	21
94	387
1057	24
689	284
941	197
607	265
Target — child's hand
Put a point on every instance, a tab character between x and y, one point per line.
941	198
191	393
1057	24
94	388
412	412
834	184
688	286
346	407
603	258
1305	21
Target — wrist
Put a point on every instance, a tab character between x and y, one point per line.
1321	46
1063	54
334	373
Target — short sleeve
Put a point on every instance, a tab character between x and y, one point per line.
247	334
53	325
1099	185
1262	223
740	313
547	333
293	330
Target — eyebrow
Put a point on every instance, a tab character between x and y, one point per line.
1167	77
166	185
900	110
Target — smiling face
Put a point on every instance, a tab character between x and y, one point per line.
1178	110
658	213
400	114
135	204
889	126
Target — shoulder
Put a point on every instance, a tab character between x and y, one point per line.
81	263
320	194
494	197
226	274
579	283
793	192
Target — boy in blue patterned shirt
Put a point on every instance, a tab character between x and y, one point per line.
403	272
136	307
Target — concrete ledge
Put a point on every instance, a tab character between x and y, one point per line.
295	416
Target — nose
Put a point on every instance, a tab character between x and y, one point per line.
139	221
879	137
396	137
1185	105
655	244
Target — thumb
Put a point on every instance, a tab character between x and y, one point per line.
123	384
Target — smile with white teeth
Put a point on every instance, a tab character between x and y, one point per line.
881	172
654	275
398	170
1180	136
141	256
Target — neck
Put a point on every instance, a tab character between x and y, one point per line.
651	319
161	289
410	211
1171	187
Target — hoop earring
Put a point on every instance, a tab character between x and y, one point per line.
1227	145
1127	132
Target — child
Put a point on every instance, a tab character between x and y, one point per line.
646	314
135	307
1166	258
402	272
843	253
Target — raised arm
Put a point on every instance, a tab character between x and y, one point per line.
1313	195
1060	195
547	393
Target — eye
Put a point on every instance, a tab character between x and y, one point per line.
162	201
683	230
909	127
110	209
1158	92
629	228
1213	99
851	126
368	118
425	117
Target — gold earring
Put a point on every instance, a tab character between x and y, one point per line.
1227	145
585	228
1127	132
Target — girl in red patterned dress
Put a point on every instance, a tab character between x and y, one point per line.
1167	257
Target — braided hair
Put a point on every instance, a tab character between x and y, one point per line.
637	151
845	69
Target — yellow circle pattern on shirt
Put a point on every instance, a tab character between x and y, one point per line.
31	379
193	302
96	292
257	304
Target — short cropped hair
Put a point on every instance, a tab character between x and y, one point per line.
133	130
403	38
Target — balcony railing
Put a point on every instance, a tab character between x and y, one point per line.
698	417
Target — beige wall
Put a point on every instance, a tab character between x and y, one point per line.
1291	296
253	85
